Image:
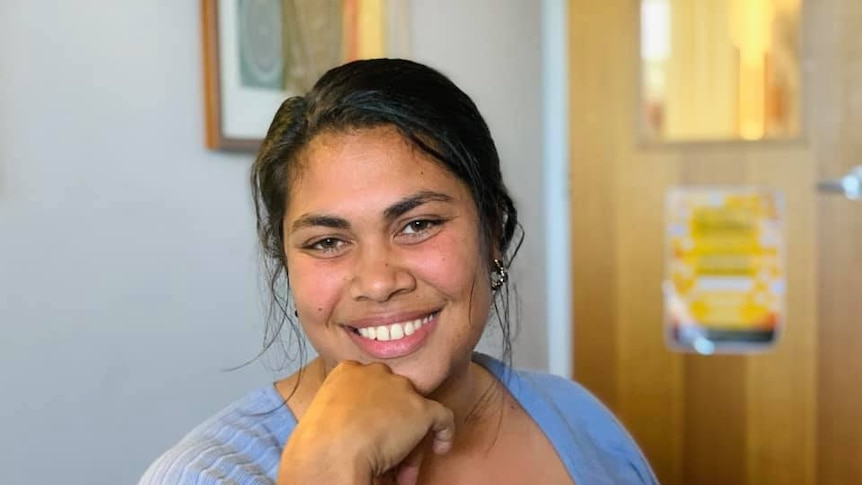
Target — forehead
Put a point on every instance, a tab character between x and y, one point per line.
363	168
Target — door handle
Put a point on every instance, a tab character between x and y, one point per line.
849	185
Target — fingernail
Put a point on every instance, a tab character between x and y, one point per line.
441	447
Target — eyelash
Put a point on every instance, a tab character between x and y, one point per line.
428	224
328	245
325	245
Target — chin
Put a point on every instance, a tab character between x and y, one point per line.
424	382
427	375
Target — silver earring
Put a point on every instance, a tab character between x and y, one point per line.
499	275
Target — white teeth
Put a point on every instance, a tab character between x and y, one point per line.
396	331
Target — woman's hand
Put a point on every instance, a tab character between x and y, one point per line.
364	422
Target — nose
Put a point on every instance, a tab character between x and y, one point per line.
379	276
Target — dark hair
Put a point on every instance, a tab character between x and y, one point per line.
427	109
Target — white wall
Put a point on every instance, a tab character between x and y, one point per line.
127	258
492	50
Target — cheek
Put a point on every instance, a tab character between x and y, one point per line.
453	266
315	290
455	270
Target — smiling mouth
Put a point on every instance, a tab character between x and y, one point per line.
395	331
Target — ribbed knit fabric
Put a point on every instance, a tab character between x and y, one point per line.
242	444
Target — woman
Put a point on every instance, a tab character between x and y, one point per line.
386	225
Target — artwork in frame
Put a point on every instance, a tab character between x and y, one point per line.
257	53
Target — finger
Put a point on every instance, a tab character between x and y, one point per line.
442	427
408	471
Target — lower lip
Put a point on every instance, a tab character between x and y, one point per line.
392	349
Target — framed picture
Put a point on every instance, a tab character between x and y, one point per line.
257	53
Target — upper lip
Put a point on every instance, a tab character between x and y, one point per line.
389	318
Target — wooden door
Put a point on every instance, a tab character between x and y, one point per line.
789	416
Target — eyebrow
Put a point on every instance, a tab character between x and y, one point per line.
407	204
391	213
312	220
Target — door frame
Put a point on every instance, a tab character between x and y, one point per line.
557	191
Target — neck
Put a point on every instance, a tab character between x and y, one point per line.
473	395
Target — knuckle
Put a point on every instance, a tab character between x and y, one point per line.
344	366
402	382
379	367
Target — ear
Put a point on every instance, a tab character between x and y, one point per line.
493	242
494	254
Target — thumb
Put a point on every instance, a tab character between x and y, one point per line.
441	434
407	472
442	427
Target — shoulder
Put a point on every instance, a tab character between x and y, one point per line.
593	445
574	404
574	401
239	445
585	428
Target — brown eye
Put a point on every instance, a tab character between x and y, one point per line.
327	245
419	226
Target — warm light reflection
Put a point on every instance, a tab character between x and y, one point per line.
320	34
750	31
720	69
363	23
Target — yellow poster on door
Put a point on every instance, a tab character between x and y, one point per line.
724	286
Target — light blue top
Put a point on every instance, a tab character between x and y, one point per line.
241	445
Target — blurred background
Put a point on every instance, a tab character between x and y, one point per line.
128	262
128	265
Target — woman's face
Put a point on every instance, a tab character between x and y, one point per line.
384	256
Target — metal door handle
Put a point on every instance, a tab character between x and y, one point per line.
849	185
